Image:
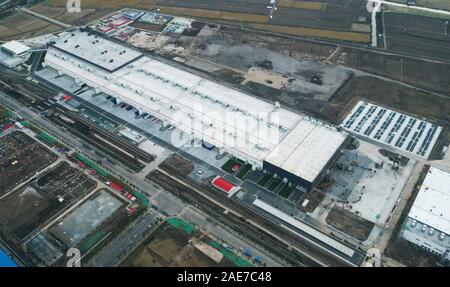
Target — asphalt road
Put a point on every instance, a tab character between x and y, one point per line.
122	244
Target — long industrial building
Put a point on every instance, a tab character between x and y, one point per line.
263	134
428	222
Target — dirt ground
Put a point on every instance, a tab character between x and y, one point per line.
168	246
21	25
349	223
424	74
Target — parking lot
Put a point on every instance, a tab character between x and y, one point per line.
365	183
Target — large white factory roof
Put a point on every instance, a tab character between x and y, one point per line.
307	150
15	47
432	203
96	50
240	124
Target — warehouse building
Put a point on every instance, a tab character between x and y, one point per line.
263	134
428	222
13	54
392	129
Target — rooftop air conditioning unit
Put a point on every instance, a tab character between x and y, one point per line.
260	146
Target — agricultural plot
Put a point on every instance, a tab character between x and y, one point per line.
21	157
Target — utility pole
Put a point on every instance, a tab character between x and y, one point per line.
401	69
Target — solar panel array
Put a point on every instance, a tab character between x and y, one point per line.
392	128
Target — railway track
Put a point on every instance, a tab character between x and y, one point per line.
314	255
117	141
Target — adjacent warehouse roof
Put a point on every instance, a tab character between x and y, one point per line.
15	48
307	150
392	128
96	50
432	203
240	124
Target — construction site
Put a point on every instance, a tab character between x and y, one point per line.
179	244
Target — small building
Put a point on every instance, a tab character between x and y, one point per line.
14	48
225	186
13	54
428	222
132	14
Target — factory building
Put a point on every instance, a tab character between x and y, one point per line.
13	54
263	134
428	222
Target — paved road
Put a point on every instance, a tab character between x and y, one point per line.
120	246
48	19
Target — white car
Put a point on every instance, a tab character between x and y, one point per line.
442	236
424	227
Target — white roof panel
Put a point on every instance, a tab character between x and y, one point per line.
15	47
307	150
432	204
96	50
